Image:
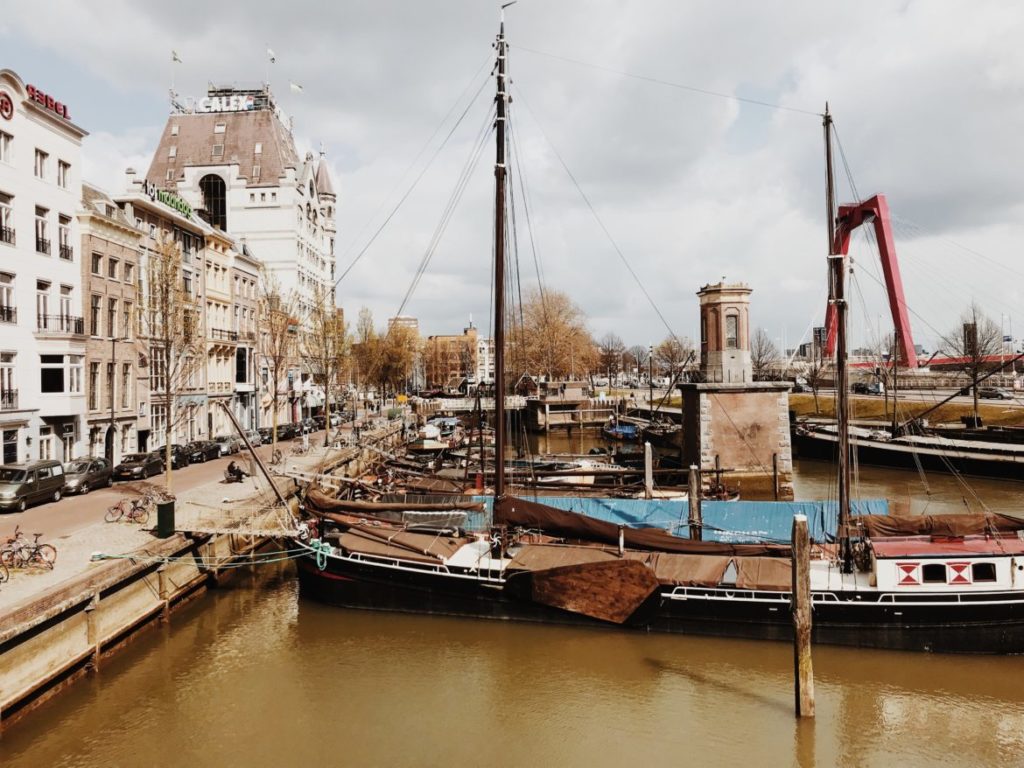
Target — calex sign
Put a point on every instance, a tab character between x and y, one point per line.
167	198
234	103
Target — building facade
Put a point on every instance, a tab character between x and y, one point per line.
231	156
160	218
450	360
109	276
42	332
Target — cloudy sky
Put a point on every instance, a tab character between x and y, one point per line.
927	96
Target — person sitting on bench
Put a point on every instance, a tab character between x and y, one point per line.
237	472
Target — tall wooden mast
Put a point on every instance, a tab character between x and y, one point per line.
500	174
837	301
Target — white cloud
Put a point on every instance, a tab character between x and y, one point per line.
926	97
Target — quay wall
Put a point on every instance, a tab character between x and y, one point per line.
66	632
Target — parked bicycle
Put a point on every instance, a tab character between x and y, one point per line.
132	510
277	457
19	553
299	450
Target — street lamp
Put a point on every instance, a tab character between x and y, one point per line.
650	379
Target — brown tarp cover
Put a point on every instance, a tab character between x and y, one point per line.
685	570
771	573
318	501
422	547
764	573
573	526
880	526
538	557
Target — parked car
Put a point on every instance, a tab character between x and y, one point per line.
228	445
135	466
82	475
320	421
202	450
179	457
309	425
285	431
867	388
24	484
337	418
265	433
995	393
255	437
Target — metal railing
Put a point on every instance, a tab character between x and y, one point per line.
223	334
8	314
7	235
67	252
42	246
8	399
60	324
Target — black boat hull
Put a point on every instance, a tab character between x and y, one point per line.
878	454
991	624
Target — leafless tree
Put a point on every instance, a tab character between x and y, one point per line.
672	354
970	344
280	328
325	348
549	337
172	323
764	356
610	350
640	356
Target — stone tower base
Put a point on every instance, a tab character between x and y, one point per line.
743	428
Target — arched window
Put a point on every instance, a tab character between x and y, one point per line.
732	330
214	193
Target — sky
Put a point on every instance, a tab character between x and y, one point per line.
643	147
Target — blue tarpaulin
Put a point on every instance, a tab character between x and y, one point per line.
733	521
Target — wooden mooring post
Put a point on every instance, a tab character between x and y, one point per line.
803	669
648	472
693	499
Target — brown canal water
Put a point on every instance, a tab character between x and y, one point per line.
251	675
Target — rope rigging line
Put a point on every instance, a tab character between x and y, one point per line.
670	84
600	223
448	212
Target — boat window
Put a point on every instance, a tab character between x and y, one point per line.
983	571
934	573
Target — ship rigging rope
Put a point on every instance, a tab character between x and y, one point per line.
600	222
670	84
446	216
425	168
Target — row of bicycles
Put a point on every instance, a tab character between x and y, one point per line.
19	553
136	510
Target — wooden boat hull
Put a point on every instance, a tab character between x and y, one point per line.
812	446
989	623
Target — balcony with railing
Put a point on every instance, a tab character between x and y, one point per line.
223	334
42	246
8	399
60	325
67	252
7	235
8	314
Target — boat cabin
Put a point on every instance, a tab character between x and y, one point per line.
931	563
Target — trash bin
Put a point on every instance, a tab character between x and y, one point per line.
165	519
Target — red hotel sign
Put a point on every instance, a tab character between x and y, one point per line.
48	101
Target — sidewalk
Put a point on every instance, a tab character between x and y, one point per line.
227	503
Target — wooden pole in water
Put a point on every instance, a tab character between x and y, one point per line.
803	669
648	472
694	501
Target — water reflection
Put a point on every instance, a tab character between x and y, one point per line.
253	675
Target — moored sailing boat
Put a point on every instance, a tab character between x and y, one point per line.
941	584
